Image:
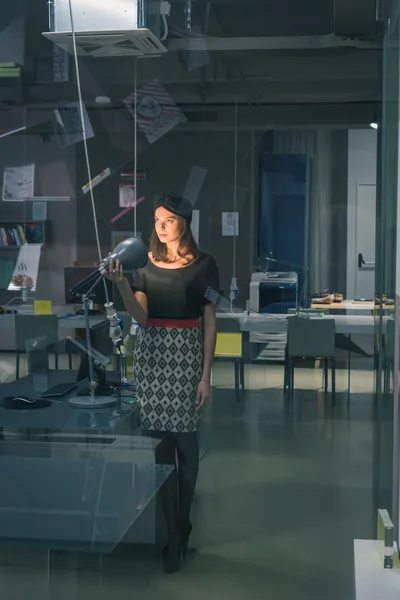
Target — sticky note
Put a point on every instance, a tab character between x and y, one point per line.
42	307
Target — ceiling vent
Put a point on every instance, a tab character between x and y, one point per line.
139	42
107	28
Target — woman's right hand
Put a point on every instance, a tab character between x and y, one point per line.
115	273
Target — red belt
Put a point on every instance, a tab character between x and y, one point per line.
174	323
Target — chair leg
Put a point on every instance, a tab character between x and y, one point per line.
56	361
17	365
286	373
237	375
70	361
291	366
241	365
333	381
326	374
384	378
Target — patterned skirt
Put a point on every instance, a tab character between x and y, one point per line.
168	367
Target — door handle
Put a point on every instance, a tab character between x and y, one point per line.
362	263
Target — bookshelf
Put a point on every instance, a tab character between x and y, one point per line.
13	234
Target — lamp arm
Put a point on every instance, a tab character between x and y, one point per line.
86	302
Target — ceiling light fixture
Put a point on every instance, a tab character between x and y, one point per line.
374	125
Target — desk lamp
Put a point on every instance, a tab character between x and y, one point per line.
132	253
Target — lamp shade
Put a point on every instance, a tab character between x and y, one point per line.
132	254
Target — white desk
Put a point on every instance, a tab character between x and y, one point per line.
259	325
350	305
372	581
346	324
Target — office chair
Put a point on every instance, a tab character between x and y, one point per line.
310	338
230	347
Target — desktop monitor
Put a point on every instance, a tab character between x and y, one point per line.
73	275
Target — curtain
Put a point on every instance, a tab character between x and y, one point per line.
327	151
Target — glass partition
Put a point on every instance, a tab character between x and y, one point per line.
256	145
387	232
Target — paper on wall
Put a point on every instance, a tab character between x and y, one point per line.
126	194
157	113
69	128
39	211
60	64
18	183
230	223
195	225
26	268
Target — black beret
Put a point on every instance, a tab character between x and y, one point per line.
177	205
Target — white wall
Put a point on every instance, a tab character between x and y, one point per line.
362	161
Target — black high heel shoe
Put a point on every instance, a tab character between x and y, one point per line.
172	556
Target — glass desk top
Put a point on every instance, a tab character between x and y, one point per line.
60	415
74	495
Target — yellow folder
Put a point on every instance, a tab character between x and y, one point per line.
42	307
229	344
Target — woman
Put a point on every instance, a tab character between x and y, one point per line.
173	356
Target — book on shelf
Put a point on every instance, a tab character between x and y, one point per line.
18	235
34	233
15	236
21	234
3	237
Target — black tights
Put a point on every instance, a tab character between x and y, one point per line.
178	490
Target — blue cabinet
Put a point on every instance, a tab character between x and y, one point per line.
283	227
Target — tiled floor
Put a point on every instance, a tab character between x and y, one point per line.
282	493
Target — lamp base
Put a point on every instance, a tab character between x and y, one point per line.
95	402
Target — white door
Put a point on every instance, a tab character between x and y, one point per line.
365	241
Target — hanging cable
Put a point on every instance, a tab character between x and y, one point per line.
135	146
235	187
234	291
82	115
165	24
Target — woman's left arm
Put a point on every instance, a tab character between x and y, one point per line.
209	341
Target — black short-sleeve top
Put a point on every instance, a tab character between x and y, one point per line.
177	293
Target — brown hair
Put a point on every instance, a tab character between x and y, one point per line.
187	248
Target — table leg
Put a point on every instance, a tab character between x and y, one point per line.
349	371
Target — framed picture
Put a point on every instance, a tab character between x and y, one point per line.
120	236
